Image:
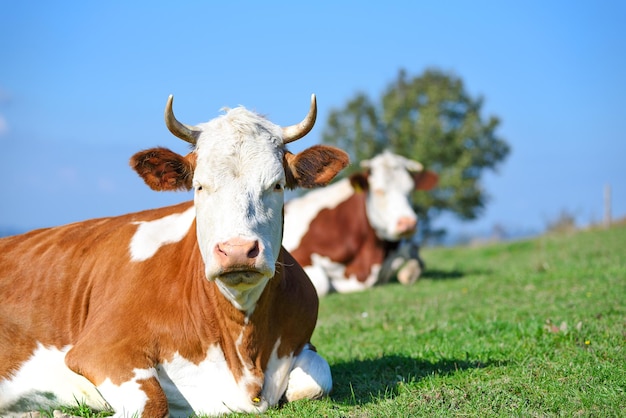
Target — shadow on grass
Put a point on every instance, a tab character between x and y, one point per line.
358	382
438	274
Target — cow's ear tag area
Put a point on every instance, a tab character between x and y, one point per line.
359	182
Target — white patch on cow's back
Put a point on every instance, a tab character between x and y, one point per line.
152	235
45	381
300	212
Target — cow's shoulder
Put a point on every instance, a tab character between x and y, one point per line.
293	299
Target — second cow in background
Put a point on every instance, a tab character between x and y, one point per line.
342	234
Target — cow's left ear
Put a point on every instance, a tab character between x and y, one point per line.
315	166
425	180
164	170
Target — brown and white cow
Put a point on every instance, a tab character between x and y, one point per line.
342	234
189	308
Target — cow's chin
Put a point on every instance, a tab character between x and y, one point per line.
394	236
241	279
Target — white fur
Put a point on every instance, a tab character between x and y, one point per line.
127	399
207	387
327	275
276	376
310	377
152	235
239	165
300	212
45	372
243	299
388	198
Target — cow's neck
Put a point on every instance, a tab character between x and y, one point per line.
244	300
247	339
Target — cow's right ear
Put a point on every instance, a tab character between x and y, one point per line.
425	180
359	182
315	166
164	170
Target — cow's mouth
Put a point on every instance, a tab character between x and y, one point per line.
241	278
406	234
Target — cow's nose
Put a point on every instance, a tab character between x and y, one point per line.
406	224
237	253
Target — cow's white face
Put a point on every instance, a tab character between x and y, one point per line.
238	185
388	206
238	170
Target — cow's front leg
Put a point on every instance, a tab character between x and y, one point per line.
129	389
141	395
310	377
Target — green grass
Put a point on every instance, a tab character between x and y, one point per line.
531	328
528	328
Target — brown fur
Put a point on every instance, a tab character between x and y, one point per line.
315	167
76	284
345	236
344	233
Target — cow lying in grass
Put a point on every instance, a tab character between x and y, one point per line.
342	234
193	308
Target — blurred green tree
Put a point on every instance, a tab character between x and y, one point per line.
430	118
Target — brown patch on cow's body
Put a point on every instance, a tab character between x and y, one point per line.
82	289
158	401
344	235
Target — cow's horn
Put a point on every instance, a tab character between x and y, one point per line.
182	131
294	132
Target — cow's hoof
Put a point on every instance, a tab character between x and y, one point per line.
409	272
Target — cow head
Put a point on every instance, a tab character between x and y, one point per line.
238	169
389	181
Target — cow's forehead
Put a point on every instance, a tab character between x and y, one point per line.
388	161
390	171
238	143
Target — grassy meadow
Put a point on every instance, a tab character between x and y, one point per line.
527	328
530	328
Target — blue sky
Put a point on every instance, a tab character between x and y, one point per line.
83	86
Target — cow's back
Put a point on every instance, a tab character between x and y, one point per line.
329	234
52	279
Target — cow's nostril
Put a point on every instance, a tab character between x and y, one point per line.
237	252
220	250
254	250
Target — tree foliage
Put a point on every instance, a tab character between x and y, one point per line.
430	118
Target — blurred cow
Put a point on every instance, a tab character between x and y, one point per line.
342	234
